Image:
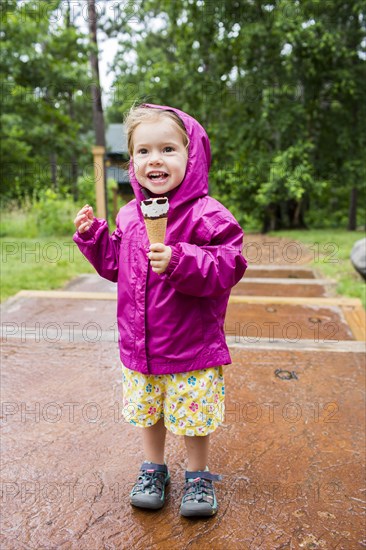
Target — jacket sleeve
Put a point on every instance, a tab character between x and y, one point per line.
100	248
209	270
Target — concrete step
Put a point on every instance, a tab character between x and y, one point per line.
261	286
272	271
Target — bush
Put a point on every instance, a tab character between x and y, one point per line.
50	213
53	214
86	189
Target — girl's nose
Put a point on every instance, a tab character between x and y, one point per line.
155	157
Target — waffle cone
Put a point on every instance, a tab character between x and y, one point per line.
156	229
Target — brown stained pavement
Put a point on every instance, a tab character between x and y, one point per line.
287	321
290	450
265	289
290	272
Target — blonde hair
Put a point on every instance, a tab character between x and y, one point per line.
137	115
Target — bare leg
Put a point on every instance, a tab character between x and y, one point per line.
153	441
197	450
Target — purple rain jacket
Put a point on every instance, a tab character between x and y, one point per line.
173	322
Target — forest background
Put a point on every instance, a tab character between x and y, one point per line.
279	87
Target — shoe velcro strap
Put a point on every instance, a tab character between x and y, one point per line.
154	467
203	475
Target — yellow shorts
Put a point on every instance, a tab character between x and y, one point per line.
191	403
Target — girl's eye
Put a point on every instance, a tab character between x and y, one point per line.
143	150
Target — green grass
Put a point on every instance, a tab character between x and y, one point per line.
16	223
331	251
39	264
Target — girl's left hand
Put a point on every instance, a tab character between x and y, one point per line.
159	257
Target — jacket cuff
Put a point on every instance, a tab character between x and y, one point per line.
89	234
174	261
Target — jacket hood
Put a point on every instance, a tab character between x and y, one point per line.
195	181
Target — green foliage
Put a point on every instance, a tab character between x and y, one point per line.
86	188
279	88
291	176
53	214
46	108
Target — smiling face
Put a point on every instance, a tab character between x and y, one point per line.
159	155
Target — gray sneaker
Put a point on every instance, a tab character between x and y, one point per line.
199	495
149	490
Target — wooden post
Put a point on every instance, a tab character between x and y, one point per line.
98	154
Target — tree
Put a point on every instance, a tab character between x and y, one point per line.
98	118
278	86
45	110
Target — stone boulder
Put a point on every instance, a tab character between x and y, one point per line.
358	257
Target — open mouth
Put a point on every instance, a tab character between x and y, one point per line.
157	176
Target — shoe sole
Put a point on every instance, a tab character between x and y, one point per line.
142	500
199	509
194	511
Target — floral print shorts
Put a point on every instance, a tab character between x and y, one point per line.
191	403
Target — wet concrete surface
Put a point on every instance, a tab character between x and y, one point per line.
290	453
250	288
290	450
66	315
90	283
319	323
273	273
53	318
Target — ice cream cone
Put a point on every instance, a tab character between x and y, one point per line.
156	229
155	212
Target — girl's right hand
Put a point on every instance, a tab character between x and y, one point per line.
84	219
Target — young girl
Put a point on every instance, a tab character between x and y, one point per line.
172	300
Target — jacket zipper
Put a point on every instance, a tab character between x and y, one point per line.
145	323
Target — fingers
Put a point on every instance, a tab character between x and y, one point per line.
83	210
157	247
81	213
157	251
84	227
158	267
155	256
81	219
159	260
85	215
157	263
